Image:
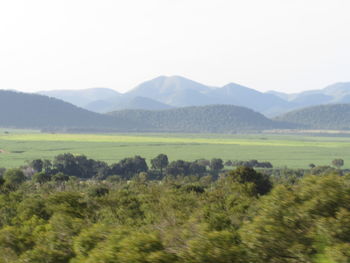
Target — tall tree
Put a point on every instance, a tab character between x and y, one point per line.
37	165
13	178
160	162
338	163
245	174
216	164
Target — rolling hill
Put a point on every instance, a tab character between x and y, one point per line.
22	110
175	91
166	104
125	102
331	116
205	119
140	103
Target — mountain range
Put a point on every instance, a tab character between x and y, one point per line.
83	97
177	104
23	110
176	91
336	93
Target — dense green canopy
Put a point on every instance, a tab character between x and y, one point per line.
333	117
241	216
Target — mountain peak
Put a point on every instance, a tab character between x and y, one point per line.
237	87
168	78
338	87
172	90
233	85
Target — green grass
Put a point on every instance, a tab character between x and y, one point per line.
281	150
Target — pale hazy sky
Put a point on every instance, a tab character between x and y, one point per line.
285	45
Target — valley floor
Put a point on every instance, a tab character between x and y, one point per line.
293	151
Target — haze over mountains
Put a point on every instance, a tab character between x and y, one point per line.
83	97
125	103
336	93
175	91
23	110
177	104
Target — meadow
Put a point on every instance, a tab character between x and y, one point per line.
298	151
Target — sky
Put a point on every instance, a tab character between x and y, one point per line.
282	45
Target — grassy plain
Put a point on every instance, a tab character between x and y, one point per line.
17	147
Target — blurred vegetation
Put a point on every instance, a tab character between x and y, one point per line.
75	209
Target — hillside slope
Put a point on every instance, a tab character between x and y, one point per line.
175	91
178	91
210	119
238	95
331	116
335	93
82	97
22	110
124	102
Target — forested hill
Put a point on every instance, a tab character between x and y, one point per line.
332	116
212	118
22	110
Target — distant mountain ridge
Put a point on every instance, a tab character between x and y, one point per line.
335	93
83	97
126	103
178	91
22	110
175	91
234	94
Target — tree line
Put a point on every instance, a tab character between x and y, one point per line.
83	167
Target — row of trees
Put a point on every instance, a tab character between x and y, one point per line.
82	167
250	163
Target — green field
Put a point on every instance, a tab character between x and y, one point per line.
17	147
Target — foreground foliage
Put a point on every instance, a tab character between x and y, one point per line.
180	216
